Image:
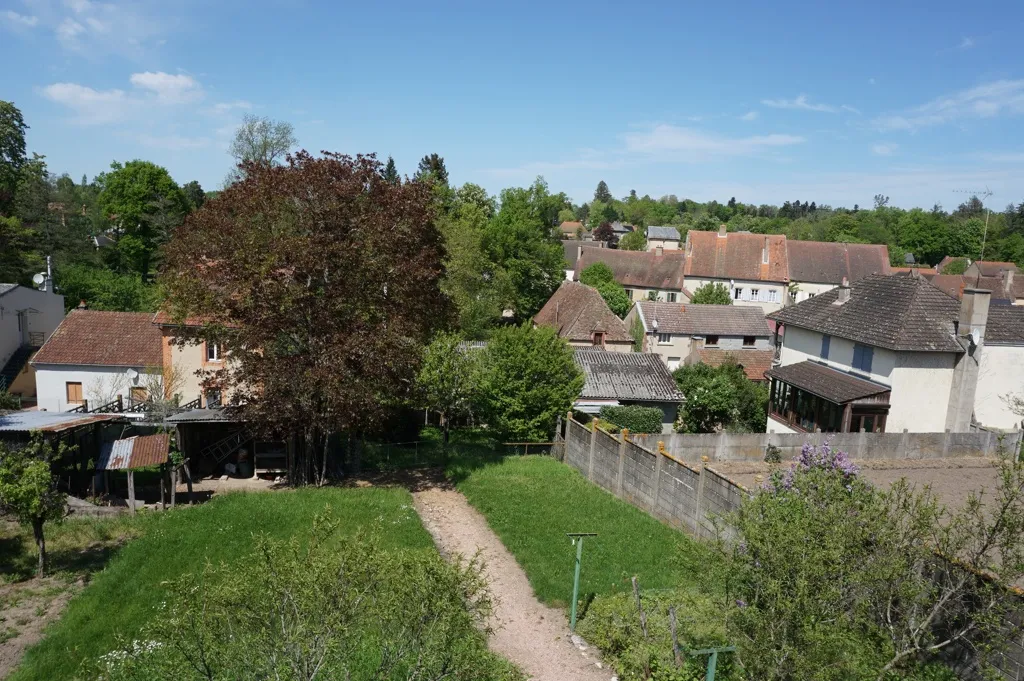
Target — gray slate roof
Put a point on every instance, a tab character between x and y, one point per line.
700	320
893	312
835	386
1005	325
4	288
655	232
631	376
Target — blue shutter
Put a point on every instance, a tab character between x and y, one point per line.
857	354
867	355
826	341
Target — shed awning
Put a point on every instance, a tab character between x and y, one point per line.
833	385
134	452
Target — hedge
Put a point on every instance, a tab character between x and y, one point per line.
637	419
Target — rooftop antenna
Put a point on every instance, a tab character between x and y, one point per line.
983	195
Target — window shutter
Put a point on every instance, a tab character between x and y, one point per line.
868	355
826	342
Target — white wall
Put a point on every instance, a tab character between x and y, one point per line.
781	291
807	290
50	312
666	244
920	392
1001	373
774	426
801	344
639	294
99	384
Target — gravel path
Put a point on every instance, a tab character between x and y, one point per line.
531	635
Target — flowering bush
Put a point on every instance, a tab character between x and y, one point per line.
815	458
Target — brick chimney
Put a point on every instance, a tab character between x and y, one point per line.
970	327
844	292
721	231
764	252
81	305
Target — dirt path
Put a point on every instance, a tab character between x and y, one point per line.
533	636
26	608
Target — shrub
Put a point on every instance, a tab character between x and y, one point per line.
615	296
638	419
712	294
595	274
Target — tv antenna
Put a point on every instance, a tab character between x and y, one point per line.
983	196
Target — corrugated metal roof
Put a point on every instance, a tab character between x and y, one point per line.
196	415
134	452
50	421
631	376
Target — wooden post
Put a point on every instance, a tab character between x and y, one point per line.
639	605
163	473
675	639
131	491
188	482
174	486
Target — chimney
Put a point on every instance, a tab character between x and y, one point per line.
721	231
81	305
579	252
844	292
764	252
689	246
970	326
659	250
1008	284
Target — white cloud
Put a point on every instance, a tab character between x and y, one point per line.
90	106
966	44
983	101
846	107
97	28
801	102
884	149
69	30
749	116
690	144
227	107
170	88
19	20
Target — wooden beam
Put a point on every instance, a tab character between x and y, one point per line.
131	491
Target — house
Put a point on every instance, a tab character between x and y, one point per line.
572	247
621	229
754	267
819	266
28	317
193	365
643	274
1007	286
95	358
581	317
989	268
677	331
571	229
1001	374
753	362
665	238
616	378
883	354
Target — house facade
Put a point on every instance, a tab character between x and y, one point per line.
193	365
818	266
678	332
581	317
636	378
28	317
665	238
1001	375
884	354
753	267
643	274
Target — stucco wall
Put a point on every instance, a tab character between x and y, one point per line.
667	244
920	392
99	384
807	290
50	312
1001	373
781	291
802	344
638	294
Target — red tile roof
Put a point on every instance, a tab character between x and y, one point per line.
577	311
96	338
640	269
823	262
736	255
754	362
570	227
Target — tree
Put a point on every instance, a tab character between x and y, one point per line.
12	153
566	215
432	166
323	282
194	194
529	378
104	289
143	204
712	293
18	258
391	172
602	194
721	398
596	274
448	378
955	266
604	232
615	296
634	241
261	141
28	487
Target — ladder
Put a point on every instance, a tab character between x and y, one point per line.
223	448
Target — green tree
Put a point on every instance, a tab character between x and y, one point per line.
391	172
194	194
432	166
528	379
28	487
448	378
634	241
260	141
596	274
602	194
615	296
955	266
712	293
143	204
12	153
566	215
18	257
721	398
104	289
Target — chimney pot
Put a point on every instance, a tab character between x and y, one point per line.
721	230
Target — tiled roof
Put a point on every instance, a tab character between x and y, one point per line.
655	232
829	263
1002	294
576	311
718	320
736	255
754	362
639	376
823	381
991	268
909	270
1005	324
641	269
572	249
896	312
570	227
134	452
4	288
95	338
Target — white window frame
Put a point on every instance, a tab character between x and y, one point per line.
737	293
213	352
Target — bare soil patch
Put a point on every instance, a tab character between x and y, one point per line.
26	608
531	635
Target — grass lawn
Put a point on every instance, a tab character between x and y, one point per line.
124	594
532	501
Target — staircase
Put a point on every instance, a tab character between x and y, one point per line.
223	448
14	365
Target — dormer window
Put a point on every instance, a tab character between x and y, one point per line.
599	338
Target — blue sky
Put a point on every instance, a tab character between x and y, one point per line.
767	102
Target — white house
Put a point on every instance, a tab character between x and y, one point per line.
753	267
884	354
1001	375
665	238
94	358
28	317
819	266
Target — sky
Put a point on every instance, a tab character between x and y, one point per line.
766	102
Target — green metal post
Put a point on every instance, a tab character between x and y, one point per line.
576	583
712	663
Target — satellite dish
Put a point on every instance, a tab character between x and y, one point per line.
38	279
975	337
132	374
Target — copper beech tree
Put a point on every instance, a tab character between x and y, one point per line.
321	281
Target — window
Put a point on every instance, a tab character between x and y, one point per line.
599	338
773	296
672	297
826	342
629	292
862	356
673	363
664	338
755	293
74	392
737	293
213	352
749	341
213	397
807	412
710	341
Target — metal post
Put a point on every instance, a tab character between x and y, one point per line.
712	664
577	538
